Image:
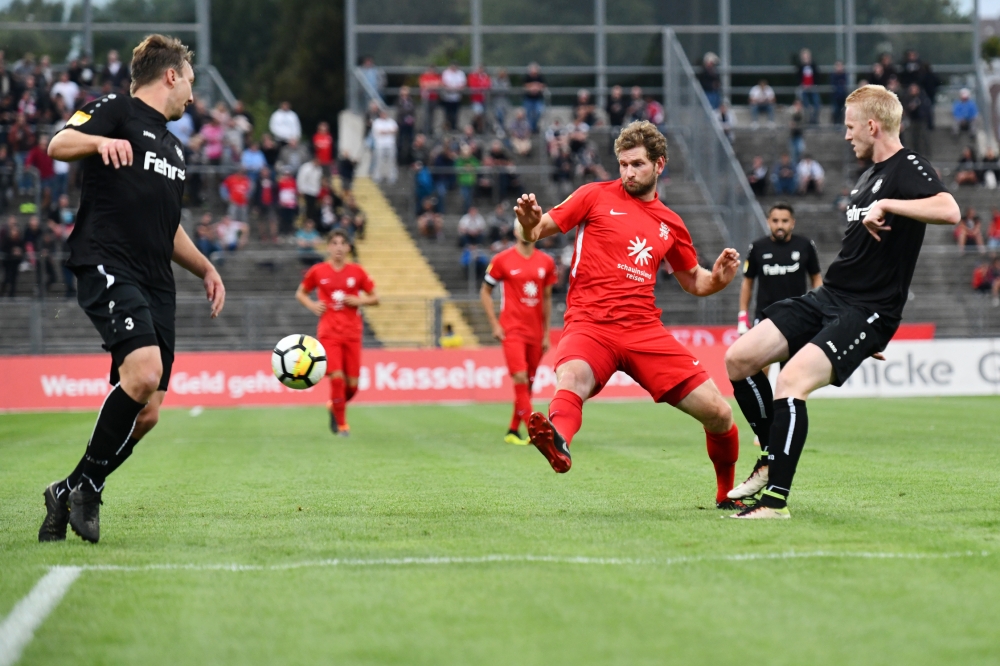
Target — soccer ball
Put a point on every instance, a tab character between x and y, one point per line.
299	361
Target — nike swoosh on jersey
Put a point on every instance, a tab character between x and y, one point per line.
614	212
697	362
515	271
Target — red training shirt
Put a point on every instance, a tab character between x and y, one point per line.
620	243
339	320
238	185
479	83
524	281
323	145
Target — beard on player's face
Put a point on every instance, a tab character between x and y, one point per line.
639	188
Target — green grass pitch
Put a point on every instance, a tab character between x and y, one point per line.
660	579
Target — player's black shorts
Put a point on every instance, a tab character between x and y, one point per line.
128	316
848	334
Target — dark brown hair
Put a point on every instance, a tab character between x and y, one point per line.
339	233
155	55
781	205
642	133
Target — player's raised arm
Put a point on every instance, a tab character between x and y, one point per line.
701	282
70	145
190	258
938	209
534	222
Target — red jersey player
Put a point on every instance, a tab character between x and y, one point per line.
342	288
523	327
623	234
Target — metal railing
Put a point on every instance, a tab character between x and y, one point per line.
711	161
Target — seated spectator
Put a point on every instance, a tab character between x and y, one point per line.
762	100
444	176
449	339
986	278
655	112
965	172
554	135
430	224
423	184
796	121
501	223
843	200
520	133
233	234
308	241
474	260
964	112
970	231
328	215
11	255
784	176
584	109
420	151
503	169
727	119
810	175
989	169
993	238
467	164
577	134
471	228
758	176
589	165
206	238
236	190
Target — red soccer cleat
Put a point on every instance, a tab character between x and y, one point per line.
547	440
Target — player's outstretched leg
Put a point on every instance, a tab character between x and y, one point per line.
722	437
522	409
547	439
756	401
338	409
56	513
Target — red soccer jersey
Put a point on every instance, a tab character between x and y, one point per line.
479	83
620	243
238	186
323	144
524	281
339	320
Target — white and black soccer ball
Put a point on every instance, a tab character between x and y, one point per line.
299	361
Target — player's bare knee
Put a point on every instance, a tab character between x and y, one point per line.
337	374
719	418
519	377
737	364
146	421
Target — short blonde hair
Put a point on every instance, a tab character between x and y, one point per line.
878	104
642	133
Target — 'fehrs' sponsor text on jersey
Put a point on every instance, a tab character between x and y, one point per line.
128	216
876	274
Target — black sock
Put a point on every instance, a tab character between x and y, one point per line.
788	434
122	455
756	401
110	439
71	481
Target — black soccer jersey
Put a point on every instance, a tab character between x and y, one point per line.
781	269
128	216
876	274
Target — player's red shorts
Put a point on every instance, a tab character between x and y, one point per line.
646	352
522	356
343	355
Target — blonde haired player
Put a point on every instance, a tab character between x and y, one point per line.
826	334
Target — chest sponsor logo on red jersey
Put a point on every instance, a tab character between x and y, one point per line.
641	254
338	299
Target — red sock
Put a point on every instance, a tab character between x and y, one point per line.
566	413
723	450
337	404
522	406
350	391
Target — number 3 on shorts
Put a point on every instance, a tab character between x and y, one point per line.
129	324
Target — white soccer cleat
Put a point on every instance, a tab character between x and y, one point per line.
753	485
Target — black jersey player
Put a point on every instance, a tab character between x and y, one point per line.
827	333
781	265
127	232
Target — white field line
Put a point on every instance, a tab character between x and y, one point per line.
550	559
19	627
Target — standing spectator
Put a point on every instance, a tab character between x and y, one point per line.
467	164
374	75
293	155
444	177
211	133
453	84
39	246
183	128
263	201
810	175
500	94
616	109
11	255
520	133
912	70
81	72
66	90
288	202
838	97
479	84
423	184
563	168
784	176
584	109
322	142
970	231
796	120
38	159
345	169
986	278
964	111
271	150
253	160
384	132
888	67
917	108
406	120
237	189
762	100
710	80
758	176
656	114
503	168
115	72
501	224
205	237
243	118
309	183
637	105
21	139
232	233
993	238
284	124
965	172
430	86
808	76
328	215
727	120
420	150
7	170
534	96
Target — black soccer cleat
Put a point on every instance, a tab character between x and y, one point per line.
56	514
85	513
548	440
732	505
